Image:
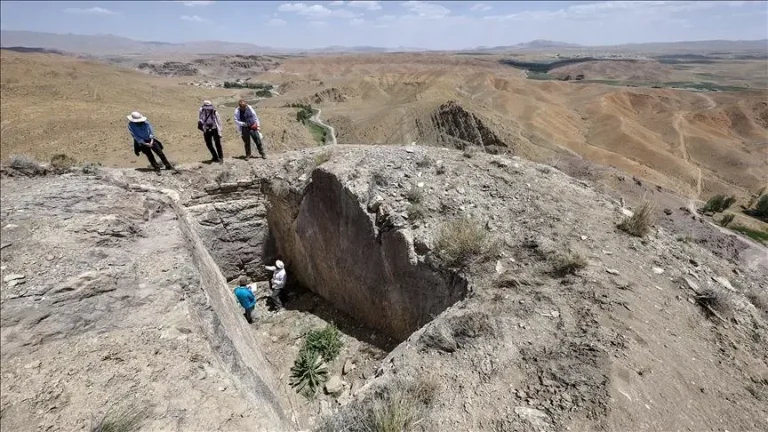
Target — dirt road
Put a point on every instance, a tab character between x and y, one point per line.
331	132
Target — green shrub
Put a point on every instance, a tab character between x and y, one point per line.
718	204
462	241
639	224
726	220
326	342
308	373
761	209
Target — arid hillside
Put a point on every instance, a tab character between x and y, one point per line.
55	104
695	142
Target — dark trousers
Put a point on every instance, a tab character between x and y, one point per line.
277	302
211	137
247	134
155	148
248	316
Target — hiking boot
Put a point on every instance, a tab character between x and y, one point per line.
169	167
220	161
263	156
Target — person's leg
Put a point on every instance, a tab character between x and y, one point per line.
276	299
156	149
208	137
248	316
148	152
257	140
217	140
247	141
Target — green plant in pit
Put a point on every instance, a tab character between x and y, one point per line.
718	204
308	373
726	220
326	342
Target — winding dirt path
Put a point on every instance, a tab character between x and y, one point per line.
331	131
684	149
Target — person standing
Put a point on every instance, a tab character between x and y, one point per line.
144	140
248	125
277	283
209	123
245	297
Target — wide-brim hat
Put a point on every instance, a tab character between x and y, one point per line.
136	117
207	103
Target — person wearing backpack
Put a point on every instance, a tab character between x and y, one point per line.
248	125
209	123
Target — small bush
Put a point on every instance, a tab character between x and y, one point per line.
326	342
416	212
91	168
718	204
61	162
126	419
399	407
322	158
415	194
639	224
308	373
726	220
462	242
716	302
761	209
425	162
469	151
567	262
759	299
27	165
223	177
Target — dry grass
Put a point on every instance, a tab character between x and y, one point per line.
759	298
567	262
716	303
416	212
415	195
640	223
398	407
462	242
27	165
62	163
128	418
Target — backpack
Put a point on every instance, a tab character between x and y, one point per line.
209	120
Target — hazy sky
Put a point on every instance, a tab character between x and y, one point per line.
434	25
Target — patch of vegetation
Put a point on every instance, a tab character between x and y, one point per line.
541	76
399	407
27	165
759	236
326	342
462	242
425	162
639	224
62	163
305	112
761	208
716	303
308	373
718	204
726	219
318	132
416	212
91	167
708	86
567	262
128	418
759	298
248	85
322	158
544	67
263	93
415	194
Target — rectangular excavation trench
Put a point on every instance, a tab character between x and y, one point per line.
332	247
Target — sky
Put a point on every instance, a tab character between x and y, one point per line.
430	25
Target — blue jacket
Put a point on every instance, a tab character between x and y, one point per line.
141	133
245	297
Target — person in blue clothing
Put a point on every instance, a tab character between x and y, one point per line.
245	297
144	140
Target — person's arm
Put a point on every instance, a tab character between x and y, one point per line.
258	123
237	119
270	268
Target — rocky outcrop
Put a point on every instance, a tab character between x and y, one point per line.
365	265
460	128
169	69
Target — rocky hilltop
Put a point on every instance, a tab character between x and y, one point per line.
473	292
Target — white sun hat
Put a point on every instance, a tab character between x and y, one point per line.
136	117
207	103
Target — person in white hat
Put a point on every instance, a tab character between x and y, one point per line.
209	123
277	283
144	140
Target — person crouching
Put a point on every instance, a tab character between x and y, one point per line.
144	140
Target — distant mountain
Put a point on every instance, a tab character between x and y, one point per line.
101	45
